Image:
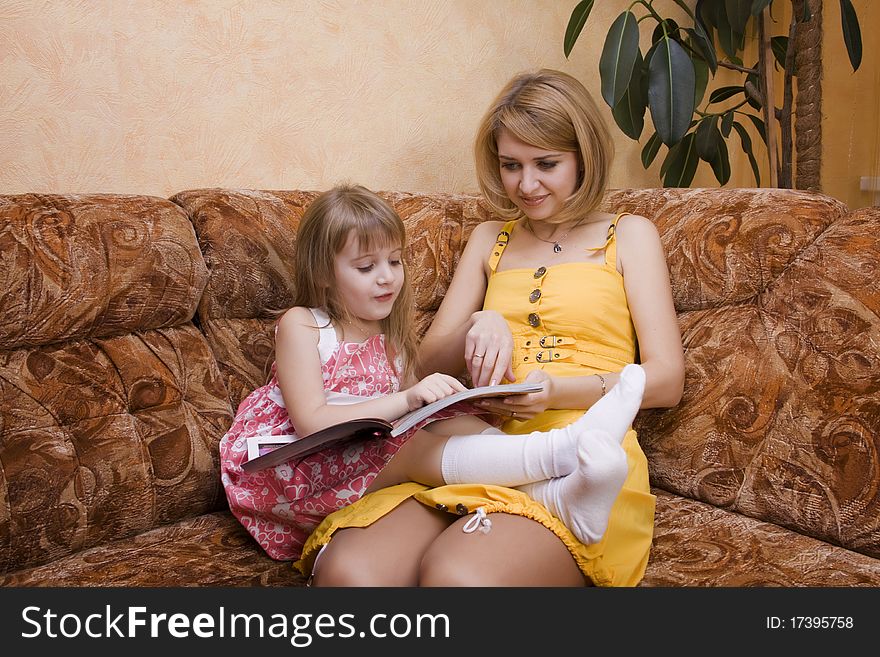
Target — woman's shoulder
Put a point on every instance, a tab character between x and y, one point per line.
488	229
635	226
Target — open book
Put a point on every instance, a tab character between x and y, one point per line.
268	451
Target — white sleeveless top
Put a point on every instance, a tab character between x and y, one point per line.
328	343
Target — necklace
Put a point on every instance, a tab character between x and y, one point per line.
557	244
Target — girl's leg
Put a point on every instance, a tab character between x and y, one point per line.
516	552
387	553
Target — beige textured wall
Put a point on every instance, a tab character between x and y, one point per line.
851	105
155	97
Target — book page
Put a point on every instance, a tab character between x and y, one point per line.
408	421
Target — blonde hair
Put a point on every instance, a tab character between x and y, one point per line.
323	232
551	110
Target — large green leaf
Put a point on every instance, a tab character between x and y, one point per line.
619	57
738	14
668	26
701	79
759	5
779	46
576	23
671	85
731	41
759	126
708	137
726	123
649	152
681	163
629	113
721	163
723	93
747	148
701	42
852	33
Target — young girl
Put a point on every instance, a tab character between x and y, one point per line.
346	350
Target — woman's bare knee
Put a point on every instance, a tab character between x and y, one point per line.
515	552
386	553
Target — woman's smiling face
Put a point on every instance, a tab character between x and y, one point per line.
538	181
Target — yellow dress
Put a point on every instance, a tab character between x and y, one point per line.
570	319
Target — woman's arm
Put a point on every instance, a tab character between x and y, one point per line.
460	329
649	295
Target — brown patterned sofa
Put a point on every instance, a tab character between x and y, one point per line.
131	327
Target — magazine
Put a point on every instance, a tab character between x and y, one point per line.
269	451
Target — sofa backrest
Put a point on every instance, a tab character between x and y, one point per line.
778	310
112	405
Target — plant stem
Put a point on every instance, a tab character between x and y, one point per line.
736	67
765	63
647	5
787	98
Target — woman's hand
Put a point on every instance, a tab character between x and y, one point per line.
431	388
488	349
523	407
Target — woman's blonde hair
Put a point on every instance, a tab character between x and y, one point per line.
551	110
323	232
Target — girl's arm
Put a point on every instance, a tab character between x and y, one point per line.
649	296
298	368
460	327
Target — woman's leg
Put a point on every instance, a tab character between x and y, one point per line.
516	552
387	553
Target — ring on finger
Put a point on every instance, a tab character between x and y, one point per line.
479	355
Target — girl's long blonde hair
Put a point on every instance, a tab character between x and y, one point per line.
551	110
325	227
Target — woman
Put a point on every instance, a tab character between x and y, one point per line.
560	293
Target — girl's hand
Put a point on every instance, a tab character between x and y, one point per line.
431	388
523	407
488	349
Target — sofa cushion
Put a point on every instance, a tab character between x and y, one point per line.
113	406
90	266
697	544
210	550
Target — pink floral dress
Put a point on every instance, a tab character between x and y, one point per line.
280	506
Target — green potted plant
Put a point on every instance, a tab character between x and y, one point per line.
671	78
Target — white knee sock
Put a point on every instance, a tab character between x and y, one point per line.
583	499
509	460
616	410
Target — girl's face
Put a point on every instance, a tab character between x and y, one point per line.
368	281
537	180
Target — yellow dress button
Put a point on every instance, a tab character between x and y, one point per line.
534	320
540	271
535	295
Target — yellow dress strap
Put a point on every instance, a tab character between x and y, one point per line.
500	244
610	244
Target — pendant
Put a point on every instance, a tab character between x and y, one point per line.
557	247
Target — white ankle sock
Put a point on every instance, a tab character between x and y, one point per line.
615	411
583	499
509	460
